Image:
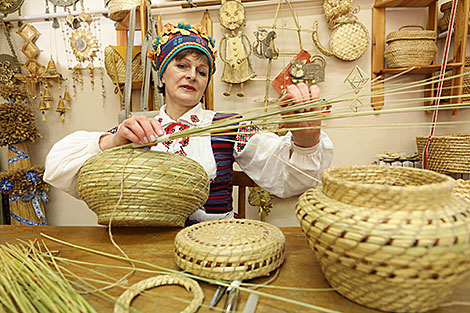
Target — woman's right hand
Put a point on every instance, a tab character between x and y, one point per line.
137	129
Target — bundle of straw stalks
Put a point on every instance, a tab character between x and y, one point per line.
30	282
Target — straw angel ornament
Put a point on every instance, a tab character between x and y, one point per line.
233	51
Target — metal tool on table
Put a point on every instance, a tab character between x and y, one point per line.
231	300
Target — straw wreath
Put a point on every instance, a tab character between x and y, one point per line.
390	238
230	249
152	188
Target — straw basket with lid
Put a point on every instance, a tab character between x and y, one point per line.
158	188
443	23
447	154
410	47
390	238
230	249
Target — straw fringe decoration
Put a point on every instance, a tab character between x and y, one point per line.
447	154
390	238
230	249
123	302
160	189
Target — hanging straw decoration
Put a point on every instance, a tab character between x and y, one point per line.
230	249
158	188
390	238
23	183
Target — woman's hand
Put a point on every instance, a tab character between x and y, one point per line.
138	129
298	94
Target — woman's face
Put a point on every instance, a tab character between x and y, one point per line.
185	81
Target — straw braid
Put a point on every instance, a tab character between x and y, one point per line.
124	301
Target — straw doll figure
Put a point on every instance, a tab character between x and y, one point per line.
233	46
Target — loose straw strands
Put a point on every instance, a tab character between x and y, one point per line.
211	281
28	283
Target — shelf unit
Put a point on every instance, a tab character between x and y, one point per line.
457	64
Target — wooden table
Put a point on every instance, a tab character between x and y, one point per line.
155	245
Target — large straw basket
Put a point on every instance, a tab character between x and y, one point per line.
158	188
390	238
230	249
447	154
410	47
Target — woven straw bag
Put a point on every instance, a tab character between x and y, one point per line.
159	188
410	47
443	23
390	238
447	154
115	64
230	249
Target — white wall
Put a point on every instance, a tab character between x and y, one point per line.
359	145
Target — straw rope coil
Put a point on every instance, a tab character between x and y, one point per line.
124	301
390	238
447	154
410	47
159	188
230	249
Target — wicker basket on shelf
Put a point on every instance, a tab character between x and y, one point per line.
443	23
158	188
230	249
447	154
410	47
390	238
447	86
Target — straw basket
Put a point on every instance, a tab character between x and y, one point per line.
447	154
230	249
390	238
447	86
443	23
410	47
159	188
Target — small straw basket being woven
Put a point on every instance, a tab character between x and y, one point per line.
158	188
230	249
390	238
447	154
410	47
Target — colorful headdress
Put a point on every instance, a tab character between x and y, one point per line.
177	38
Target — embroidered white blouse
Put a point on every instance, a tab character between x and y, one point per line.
259	157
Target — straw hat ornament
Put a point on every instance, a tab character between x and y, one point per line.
390	238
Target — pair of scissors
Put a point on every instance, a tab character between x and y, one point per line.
232	296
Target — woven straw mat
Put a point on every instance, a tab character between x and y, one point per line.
349	41
447	154
390	238
410	47
159	188
230	249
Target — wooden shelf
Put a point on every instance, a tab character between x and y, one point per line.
403	3
419	70
457	65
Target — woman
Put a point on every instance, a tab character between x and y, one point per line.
185	60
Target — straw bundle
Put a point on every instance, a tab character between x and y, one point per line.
447	154
230	249
158	188
410	47
390	238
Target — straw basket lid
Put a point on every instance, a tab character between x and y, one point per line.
349	41
420	34
230	249
390	238
158	188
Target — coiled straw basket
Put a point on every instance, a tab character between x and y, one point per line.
158	188
230	249
446	154
390	238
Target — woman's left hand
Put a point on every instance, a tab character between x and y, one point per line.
300	93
